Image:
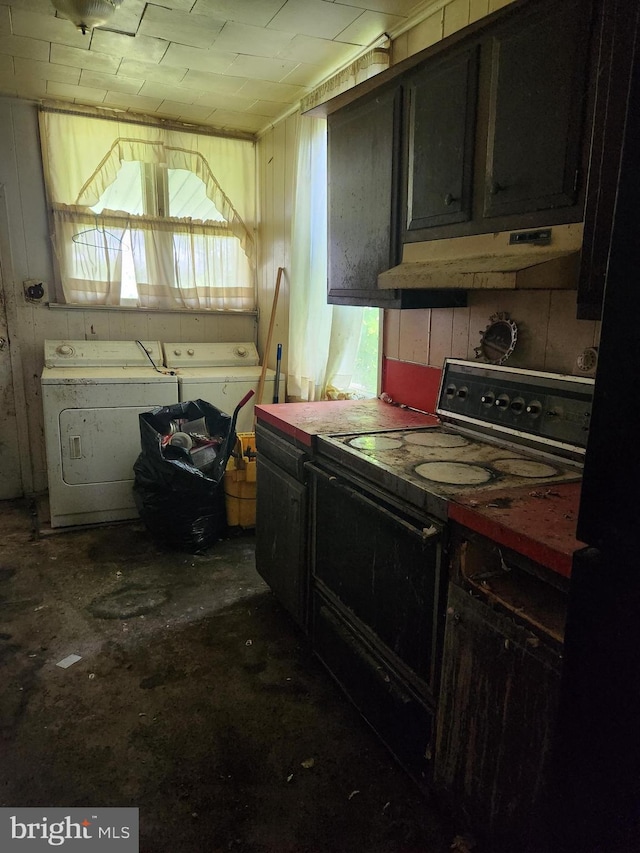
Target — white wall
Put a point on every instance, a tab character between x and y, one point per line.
21	177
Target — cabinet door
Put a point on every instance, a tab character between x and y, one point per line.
363	164
281	533
535	110
496	718
442	105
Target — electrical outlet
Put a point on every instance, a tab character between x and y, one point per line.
33	289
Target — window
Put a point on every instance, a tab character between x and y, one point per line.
141	218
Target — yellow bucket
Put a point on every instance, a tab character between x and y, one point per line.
240	482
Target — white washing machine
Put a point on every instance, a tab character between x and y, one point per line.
221	374
92	394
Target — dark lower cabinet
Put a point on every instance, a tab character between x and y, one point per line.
495	726
281	522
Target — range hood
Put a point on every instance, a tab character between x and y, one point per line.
507	260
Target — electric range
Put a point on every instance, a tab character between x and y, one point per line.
500	427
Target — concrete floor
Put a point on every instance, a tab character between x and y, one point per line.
195	700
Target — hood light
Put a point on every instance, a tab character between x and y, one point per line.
86	14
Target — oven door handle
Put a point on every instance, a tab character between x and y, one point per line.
432	531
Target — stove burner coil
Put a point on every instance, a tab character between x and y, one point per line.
454	473
375	442
436	439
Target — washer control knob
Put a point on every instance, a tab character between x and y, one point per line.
502	402
177	352
534	408
190	352
65	349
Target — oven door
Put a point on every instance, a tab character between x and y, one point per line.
377	606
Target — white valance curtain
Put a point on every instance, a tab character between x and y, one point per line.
178	261
323	339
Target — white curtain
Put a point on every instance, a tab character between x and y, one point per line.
177	261
323	339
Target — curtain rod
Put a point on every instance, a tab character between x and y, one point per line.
144	120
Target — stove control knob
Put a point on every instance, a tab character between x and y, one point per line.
487	399
177	352
517	405
502	402
242	352
450	391
534	408
65	349
462	393
190	352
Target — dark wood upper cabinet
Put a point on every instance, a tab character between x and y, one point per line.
441	124
536	105
363	164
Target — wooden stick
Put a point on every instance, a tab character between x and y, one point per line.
263	373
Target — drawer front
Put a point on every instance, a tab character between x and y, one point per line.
391	708
281	452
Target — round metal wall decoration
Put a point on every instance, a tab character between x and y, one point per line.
498	340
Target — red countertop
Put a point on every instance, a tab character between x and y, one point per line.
538	522
304	421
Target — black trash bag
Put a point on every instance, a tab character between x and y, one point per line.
181	505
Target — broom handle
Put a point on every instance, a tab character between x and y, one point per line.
263	373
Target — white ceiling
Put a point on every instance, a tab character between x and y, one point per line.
231	64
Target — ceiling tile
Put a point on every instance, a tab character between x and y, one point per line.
241	121
220	101
151	71
316	51
213	82
314	18
141	47
7	66
261	68
404	8
47	28
43	7
258	13
25	47
81	94
5	21
368	27
241	38
192	30
184	112
127	17
200	60
63	55
110	82
136	103
263	90
182	5
165	92
32	89
267	109
26	68
305	75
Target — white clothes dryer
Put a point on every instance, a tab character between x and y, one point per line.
221	374
92	394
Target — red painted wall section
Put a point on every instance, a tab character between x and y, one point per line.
410	384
